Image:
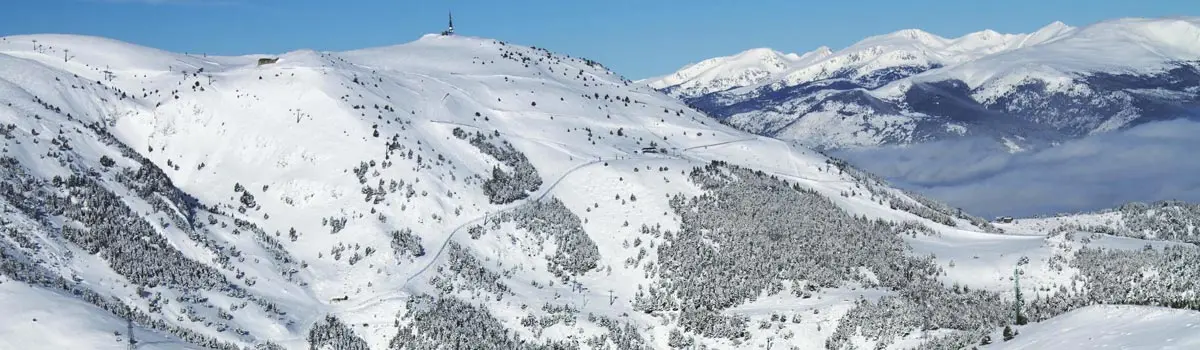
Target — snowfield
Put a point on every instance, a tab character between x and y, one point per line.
38	319
1110	327
458	189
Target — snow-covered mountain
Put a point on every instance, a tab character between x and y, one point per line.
722	73
468	191
910	86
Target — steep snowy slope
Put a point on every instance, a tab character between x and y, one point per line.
1022	89
468	191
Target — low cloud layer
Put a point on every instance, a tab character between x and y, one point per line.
1151	162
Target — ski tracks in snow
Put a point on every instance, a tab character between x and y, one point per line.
376	300
402	294
508	208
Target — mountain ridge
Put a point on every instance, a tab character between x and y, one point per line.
1059	82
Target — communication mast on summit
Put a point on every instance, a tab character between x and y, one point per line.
450	29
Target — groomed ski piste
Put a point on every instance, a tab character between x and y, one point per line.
277	158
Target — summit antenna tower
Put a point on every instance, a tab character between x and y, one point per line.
450	27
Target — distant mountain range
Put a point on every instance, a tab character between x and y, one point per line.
1057	83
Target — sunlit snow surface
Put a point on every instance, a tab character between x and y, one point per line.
293	132
1109	327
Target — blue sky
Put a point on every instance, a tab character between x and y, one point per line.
636	38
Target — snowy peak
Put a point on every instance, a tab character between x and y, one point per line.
906	50
1170	38
1056	26
884	82
971	43
1053	29
914	49
1049	32
817	54
902	36
1058	52
721	73
749	67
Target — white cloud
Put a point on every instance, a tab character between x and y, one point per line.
1151	162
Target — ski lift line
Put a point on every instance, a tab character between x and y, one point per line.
719	144
806	178
515	77
189	64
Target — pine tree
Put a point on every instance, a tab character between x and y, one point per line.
1019	301
1008	333
106	161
